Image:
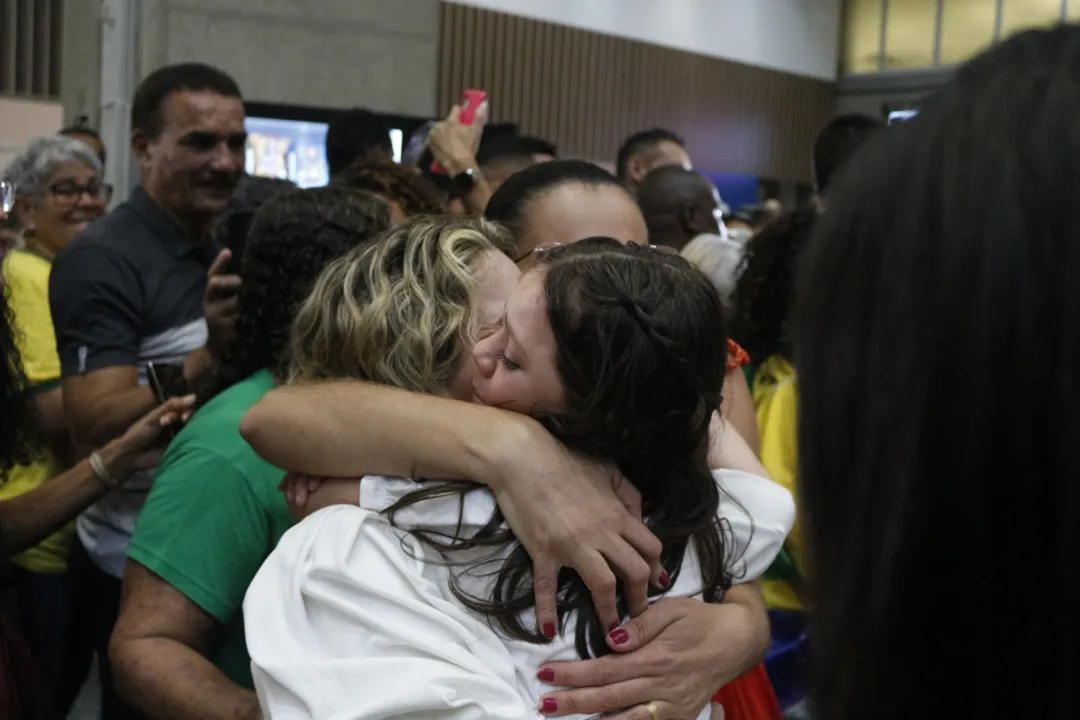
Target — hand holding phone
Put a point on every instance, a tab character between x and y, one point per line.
237	226
449	138
167	381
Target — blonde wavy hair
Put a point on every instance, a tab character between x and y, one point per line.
396	311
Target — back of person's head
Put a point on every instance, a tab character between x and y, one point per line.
396	312
511	204
84	133
937	340
519	147
643	143
640	353
148	103
351	134
837	142
293	237
504	155
251	193
765	284
404	186
678	205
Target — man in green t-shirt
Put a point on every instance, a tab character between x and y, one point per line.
214	513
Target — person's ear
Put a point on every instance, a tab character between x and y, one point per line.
636	170
141	146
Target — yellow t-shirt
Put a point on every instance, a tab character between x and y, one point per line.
776	401
26	280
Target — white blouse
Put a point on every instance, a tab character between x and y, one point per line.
351	618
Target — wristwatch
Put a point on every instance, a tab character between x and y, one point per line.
464	182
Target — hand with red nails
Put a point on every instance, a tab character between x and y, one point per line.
676	655
597	531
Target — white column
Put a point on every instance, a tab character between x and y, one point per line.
119	35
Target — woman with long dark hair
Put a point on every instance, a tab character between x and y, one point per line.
625	365
937	341
29	518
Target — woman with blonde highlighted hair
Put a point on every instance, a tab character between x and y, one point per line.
388	611
404	310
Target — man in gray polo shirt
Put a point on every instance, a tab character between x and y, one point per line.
133	289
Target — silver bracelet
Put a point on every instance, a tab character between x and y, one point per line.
97	465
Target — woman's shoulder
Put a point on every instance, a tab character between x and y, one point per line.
759	514
767	501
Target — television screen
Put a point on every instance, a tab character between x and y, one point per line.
287	149
293	150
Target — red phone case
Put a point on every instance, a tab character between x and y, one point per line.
470	103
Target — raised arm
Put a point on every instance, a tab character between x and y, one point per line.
566	511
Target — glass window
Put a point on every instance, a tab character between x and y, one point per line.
1019	15
909	34
967	28
862	35
1073	10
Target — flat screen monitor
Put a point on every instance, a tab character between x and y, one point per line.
287	149
294	150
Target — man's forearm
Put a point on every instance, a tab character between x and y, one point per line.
169	681
110	417
348	428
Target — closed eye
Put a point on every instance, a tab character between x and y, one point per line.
507	362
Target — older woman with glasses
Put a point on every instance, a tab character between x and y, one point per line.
58	192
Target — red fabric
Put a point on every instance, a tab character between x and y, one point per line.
750	697
737	357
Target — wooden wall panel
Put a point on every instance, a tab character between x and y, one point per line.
586	92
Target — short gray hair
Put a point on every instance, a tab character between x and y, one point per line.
36	163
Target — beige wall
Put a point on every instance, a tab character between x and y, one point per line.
380	54
23	120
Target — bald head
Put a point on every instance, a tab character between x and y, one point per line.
678	205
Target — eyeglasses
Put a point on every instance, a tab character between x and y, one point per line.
70	192
7	196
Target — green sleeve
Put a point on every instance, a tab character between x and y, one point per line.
203	530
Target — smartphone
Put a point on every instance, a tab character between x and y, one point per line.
471	101
167	381
237	226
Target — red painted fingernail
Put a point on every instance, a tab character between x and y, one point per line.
619	637
549	631
546	675
665	580
549	706
612	626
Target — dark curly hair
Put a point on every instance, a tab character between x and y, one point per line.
403	184
293	237
18	439
764	290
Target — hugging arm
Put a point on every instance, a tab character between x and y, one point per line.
566	511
